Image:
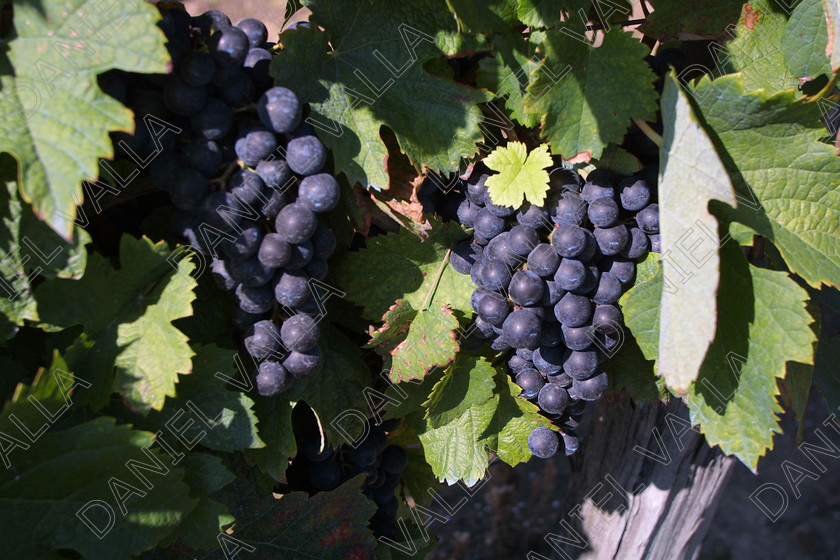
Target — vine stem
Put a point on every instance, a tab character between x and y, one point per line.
649	132
428	301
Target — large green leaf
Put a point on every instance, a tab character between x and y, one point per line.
763	329
691	176
54	118
757	51
690	19
127	315
574	91
51	483
788	195
805	39
400	265
360	77
466	383
640	306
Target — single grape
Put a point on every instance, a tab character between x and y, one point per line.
466	213
228	46
292	288
487	225
612	240
272	379
280	110
543	260
189	188
303	364
599	184
552	333
562	179
256	58
570	209
635	193
255	300
203	155
183	99
485	328
637	246
500	211
622	269
274	251
580	364
197	68
569	241
496	275
463	256
553	398
522	329
609	289
211	20
593	388
493	308
522	240
606	319
306	155
323	242
518	363
549	360
530	381
262	339
560	379
295	223
571	274
317	269
250	272
578	338
552	292
570	443
648	219
477	190
299	333
221	276
499	249
221	210
533	216
525	288
246	244
214	121
543	443
319	193
246	186
274	173
573	310
240	92
254	30
301	255
256	145
655	243
603	212
277	200
477	270
525	353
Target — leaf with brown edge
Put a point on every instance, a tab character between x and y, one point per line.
430	342
394	328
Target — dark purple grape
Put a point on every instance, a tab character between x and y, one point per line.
245	245
319	193
466	213
606	319
256	58
533	216
214	121
562	179
299	333
518	363
274	251
496	275
571	274
648	219
250	272
500	211
300	256
569	241
477	271
655	243
485	328
522	329
292	288
295	223
593	388
221	210
317	269
622	269
246	186
272	379
277	200
599	183
183	99
303	364
210	21
549	360
552	293
573	310
525	288
543	260
543	443
197	68
189	189
274	173
255	300
578	338
560	379
256	145
525	353
498	249
635	193
493	308
323	242
553	398
530	381
229	46
240	92
580	364
306	155
609	289
603	212
552	334
612	240
569	209
637	246
221	276
254	30
463	256
280	110
203	155
487	225
522	240
262	339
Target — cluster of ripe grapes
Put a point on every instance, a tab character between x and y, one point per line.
246	176
548	279
323	470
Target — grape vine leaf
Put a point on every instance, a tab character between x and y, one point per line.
127	315
493	16
467	382
757	51
55	119
373	77
692	175
204	474
430	342
573	91
764	329
326	525
796	207
226	417
691	19
402	266
832	16
275	429
519	174
338	385
641	306
618	160
66	471
546	13
805	40
29	250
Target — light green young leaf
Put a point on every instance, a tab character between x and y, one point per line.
54	119
519	174
692	176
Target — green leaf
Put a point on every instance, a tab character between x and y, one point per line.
64	471
29	250
832	16
797	207
763	328
275	430
518	175
466	383
402	266
430	342
408	398
55	119
328	525
757	51
339	383
574	92
493	16
618	160
691	19
692	175
641	306
231	414
352	93
805	40
127	315
628	369
547	13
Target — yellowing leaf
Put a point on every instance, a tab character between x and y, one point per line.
520	174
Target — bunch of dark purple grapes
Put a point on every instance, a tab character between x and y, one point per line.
322	470
548	282
246	176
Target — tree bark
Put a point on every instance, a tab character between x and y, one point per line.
645	486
